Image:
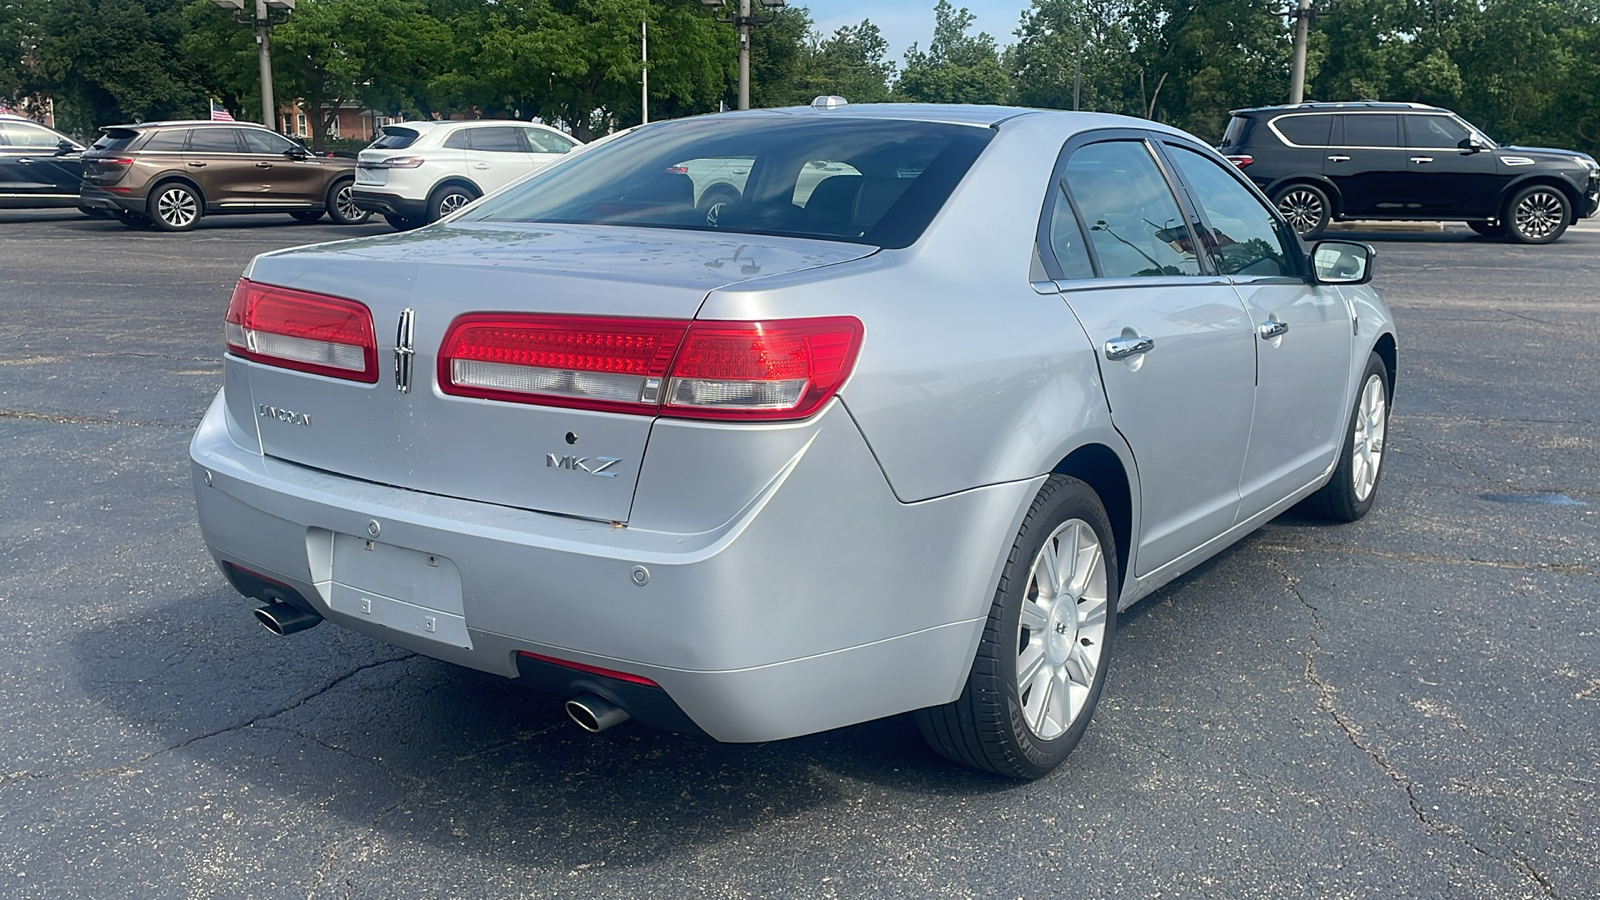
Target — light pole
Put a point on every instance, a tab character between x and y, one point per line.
741	18
261	18
644	71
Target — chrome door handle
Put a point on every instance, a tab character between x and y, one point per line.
24	162
1272	329
197	165
263	165
1125	347
1421	159
480	165
1338	159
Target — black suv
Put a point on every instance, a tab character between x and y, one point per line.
39	167
1406	161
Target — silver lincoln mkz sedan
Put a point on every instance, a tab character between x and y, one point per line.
900	426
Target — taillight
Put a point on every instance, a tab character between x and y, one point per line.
394	162
1239	159
303	331
783	369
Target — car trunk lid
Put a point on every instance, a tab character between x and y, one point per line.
568	461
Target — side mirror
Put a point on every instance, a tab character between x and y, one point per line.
64	146
1341	262
297	153
1471	144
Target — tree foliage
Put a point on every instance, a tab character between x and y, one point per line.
957	67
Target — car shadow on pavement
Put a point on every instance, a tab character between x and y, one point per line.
408	751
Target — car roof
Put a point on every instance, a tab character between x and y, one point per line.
436	124
187	123
1324	106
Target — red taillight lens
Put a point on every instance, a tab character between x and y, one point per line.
761	370
577	361
298	330
1240	159
592	670
785	369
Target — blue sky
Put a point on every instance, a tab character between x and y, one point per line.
905	21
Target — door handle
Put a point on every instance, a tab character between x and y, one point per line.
263	165
1272	329
1127	347
480	165
197	165
24	162
1421	160
1338	159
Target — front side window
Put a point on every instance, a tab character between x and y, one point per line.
1133	219
496	139
1244	238
1434	132
1305	131
21	134
546	142
892	178
1371	130
267	142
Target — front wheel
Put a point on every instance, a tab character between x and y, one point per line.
1348	495
1537	214
1305	207
342	208
174	207
1041	664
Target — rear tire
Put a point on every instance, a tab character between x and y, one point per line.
174	206
342	207
1041	663
1305	207
1537	215
448	199
1349	494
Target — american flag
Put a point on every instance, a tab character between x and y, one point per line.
219	113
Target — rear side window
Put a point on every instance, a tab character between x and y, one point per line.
116	139
1066	240
889	178
1305	131
1134	222
1371	130
1434	132
170	140
393	137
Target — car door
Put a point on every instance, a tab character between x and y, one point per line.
1172	339
1303	334
496	156
292	177
31	167
1367	163
215	159
1443	178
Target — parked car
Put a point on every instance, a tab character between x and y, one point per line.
814	463
1324	162
39	166
414	173
170	174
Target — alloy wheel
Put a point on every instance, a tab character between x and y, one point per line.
1372	424
451	202
344	200
1302	208
1539	214
177	207
1061	629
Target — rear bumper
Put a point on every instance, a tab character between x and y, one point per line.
100	198
390	204
823	602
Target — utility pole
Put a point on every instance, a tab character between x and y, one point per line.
1302	29
1077	61
644	71
742	17
261	19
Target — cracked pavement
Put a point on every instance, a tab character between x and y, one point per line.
1406	706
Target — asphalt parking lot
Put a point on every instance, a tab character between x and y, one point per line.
1403	707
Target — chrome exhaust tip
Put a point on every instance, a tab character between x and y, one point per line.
595	714
282	618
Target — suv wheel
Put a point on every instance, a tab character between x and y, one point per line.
174	206
342	208
1305	207
448	199
1537	214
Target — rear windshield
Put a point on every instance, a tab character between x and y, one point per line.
1238	128
393	138
858	180
116	139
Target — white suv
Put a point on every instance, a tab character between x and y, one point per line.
416	172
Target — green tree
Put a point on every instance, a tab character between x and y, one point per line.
852	63
778	55
956	67
1046	56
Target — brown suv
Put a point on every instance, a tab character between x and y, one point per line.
169	174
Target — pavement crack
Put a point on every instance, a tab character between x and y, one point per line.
89	420
1324	700
1554	568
